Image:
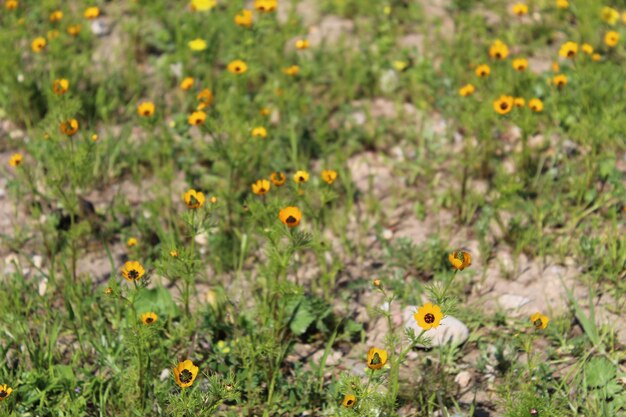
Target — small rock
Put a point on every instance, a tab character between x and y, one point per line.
512	301
450	331
463	379
100	27
165	374
38	261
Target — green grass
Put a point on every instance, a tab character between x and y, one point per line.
279	319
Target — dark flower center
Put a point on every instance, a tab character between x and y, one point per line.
498	55
375	359
570	53
149	320
185	376
538	323
3	394
262	190
504	105
429	318
134	274
350	402
237	69
291	219
301	178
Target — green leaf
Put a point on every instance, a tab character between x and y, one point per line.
302	319
158	300
599	372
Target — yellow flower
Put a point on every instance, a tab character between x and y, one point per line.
586	48
498	50
259	132
560	80
348	401
223	347
174	253
52	34
244	18
301	177
609	15
16	160
213	199
428	316
376	283
56	16
94	137
202	5
197	44
196	118
92	13
520	9
376	358
73	30
265	112
467	90
193	199
133	271
237	67
185	373
519	102
520	64
503	105
11	4
292	70
131	242
329	176
290	216
278	178
302	44
539	321
69	127
149	318
265	6
562	4
261	187
400	65
555	66
60	86
5	391
483	70
596	57
205	97
108	291
146	109
460	259
536	105
187	83
38	44
611	38
568	50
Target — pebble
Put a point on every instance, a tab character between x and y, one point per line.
512	301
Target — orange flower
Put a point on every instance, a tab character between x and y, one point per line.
185	373
265	6
73	30
290	216
261	187
205	97
560	80
503	105
292	70
259	132
302	44
536	105
187	83
69	127
244	18
539	321
376	358
460	259
498	50
11	4
146	109
483	70
38	44
467	90
278	178
193	199
568	50
196	118
91	13
60	86
16	160
519	102
520	64
237	67
329	176
149	318
428	316
611	38
132	271
301	177
56	16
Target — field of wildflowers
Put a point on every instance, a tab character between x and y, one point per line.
313	208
